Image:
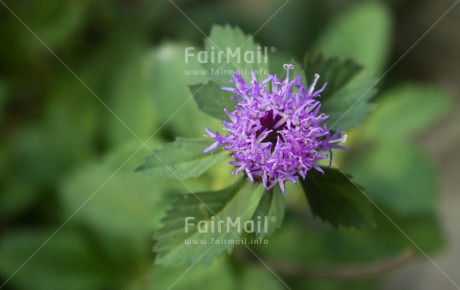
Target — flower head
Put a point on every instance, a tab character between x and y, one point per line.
275	133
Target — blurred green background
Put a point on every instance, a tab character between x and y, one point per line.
82	81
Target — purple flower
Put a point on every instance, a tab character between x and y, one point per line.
275	133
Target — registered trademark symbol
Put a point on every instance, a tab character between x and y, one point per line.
273	219
273	50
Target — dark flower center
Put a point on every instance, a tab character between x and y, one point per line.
268	122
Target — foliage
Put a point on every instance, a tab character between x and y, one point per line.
182	159
335	198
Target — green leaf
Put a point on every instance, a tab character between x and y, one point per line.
181	159
167	79
397	175
347	93
66	262
45	149
212	100
315	245
226	38
350	106
259	278
334	198
121	210
219	276
270	209
414	226
117	204
406	110
128	98
126	203
335	71
175	241
362	34
312	244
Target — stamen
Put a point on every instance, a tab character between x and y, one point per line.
342	139
287	67
211	148
312	86
230	115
